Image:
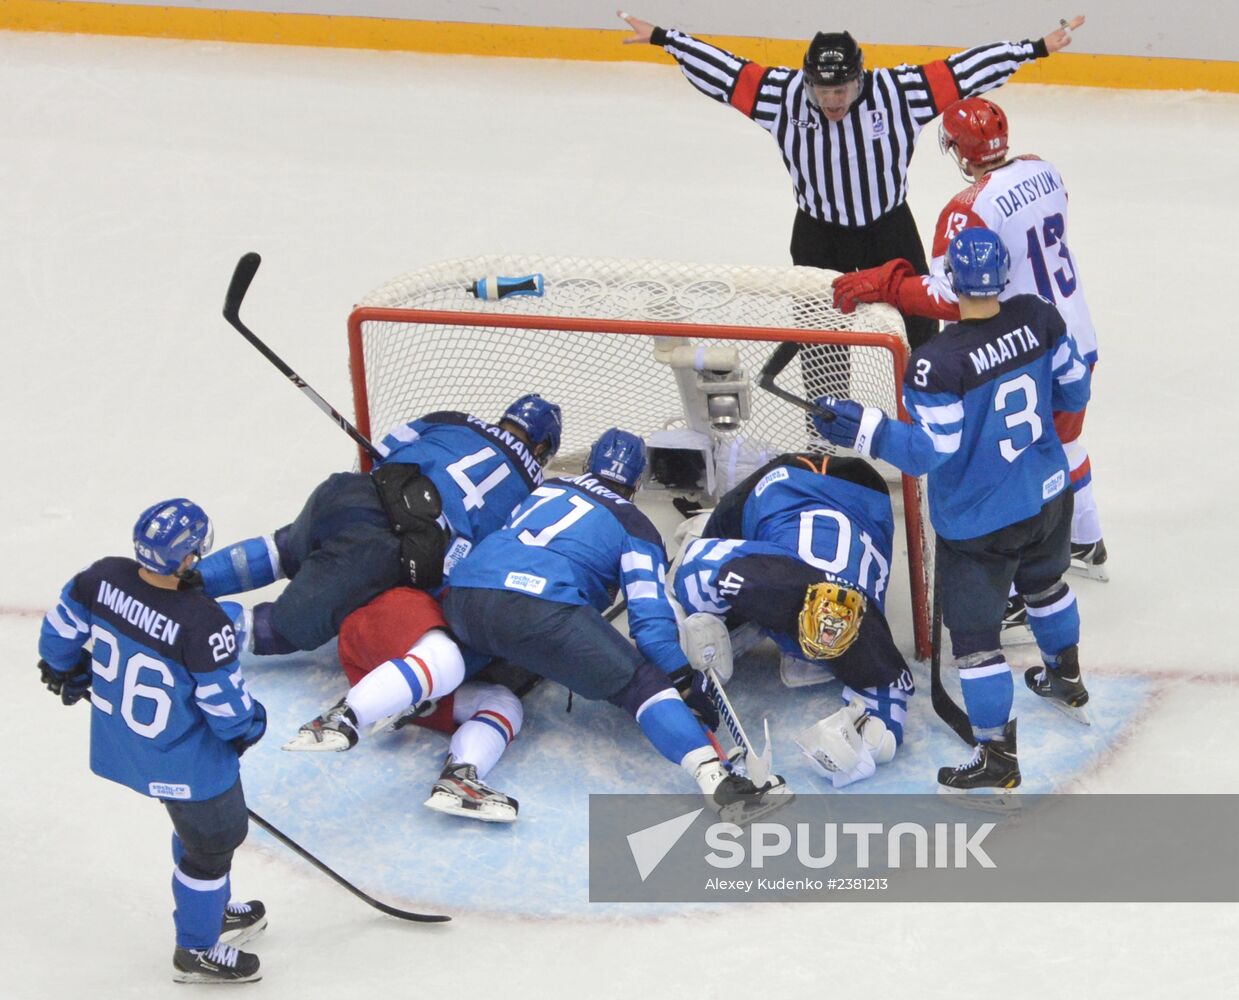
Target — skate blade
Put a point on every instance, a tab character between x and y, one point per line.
202	977
325	742
1079	715
1003	801
243	935
1089	571
392	723
1017	635
490	812
744	813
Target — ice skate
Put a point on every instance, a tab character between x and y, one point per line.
459	792
1062	685
993	769
1015	630
242	922
405	717
736	798
335	729
220	963
1088	559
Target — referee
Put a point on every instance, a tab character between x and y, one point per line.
847	133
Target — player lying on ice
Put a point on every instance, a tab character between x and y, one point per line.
397	654
802	550
447	480
980	395
533	593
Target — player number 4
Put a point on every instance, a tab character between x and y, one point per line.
475	493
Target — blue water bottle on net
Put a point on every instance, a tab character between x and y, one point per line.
494	287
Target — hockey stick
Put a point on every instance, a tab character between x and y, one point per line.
778	361
246	268
759	766
391	911
943	703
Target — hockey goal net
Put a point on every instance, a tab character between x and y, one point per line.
671	351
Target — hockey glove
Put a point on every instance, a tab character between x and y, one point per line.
256	731
71	685
692	687
853	426
874	284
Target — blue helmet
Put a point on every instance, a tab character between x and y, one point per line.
543	421
618	456
977	261
168	531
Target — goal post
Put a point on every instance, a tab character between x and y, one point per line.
671	351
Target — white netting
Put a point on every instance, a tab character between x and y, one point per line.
604	375
604	379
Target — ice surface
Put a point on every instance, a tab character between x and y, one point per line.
136	172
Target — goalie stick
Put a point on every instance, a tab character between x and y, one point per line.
242	276
391	911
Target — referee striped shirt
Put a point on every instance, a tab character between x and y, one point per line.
853	172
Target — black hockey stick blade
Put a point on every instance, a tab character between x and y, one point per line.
779	360
242	277
292	845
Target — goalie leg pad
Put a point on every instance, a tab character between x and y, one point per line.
837	749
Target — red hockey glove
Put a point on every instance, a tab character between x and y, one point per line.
874	284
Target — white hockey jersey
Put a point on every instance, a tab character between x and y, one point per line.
1024	202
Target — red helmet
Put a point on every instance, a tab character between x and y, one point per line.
974	130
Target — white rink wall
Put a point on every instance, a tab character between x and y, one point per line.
139	171
1199	29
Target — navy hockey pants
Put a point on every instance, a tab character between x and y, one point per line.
977	573
339	554
569	643
210	831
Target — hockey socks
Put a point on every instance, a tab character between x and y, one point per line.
1054	618
431	669
246	565
200	904
670	726
490	716
985	679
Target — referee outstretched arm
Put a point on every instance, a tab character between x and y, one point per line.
846	133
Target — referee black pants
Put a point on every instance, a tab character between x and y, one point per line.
851	248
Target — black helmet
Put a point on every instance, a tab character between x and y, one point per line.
833	58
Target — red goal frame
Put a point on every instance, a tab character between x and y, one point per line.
914	526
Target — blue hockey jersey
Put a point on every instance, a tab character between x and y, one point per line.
481	471
836	525
576	541
167	693
982	396
798	520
